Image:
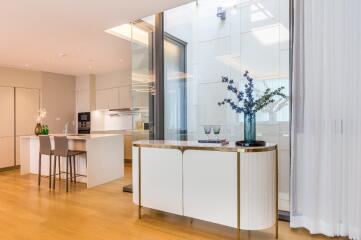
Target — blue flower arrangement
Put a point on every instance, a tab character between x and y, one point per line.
250	106
247	105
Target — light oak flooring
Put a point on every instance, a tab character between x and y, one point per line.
28	212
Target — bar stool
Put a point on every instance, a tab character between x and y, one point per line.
62	150
45	149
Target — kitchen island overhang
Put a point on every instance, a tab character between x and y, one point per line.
104	159
228	185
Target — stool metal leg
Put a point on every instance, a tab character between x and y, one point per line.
39	170
59	168
54	177
50	171
71	169
74	169
67	173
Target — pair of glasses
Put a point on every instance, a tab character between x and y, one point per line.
208	129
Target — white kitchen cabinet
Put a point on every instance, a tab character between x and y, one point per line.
6	152
83	101
113	98
7	111
125	97
103	98
27	107
6	127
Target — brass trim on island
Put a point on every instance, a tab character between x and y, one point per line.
238	191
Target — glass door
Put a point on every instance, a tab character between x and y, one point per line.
175	94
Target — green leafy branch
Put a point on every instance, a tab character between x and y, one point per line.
267	98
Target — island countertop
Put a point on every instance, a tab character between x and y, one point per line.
74	136
194	145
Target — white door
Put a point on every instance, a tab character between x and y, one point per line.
27	106
6	127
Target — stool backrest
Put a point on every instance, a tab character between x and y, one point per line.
61	146
45	145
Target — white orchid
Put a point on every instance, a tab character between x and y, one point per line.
41	115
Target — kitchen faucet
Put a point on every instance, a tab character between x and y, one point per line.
66	128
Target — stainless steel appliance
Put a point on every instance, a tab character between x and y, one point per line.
84	123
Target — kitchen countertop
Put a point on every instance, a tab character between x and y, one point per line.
75	136
125	132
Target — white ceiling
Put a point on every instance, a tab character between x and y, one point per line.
67	36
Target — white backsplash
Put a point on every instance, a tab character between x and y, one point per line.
103	121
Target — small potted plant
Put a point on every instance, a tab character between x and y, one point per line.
247	105
41	115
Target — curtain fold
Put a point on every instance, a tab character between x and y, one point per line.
326	117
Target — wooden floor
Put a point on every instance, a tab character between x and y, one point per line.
105	212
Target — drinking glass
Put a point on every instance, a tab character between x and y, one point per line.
216	130
207	130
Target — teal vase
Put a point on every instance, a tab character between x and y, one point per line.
250	128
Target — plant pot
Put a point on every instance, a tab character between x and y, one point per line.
38	129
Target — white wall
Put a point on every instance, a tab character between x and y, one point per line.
113	79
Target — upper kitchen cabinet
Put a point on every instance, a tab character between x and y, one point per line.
125	97
113	91
83	101
83	94
113	98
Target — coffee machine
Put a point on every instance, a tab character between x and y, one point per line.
84	123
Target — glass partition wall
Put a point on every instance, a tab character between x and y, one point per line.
143	78
207	39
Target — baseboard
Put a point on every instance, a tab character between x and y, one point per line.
9	168
284	215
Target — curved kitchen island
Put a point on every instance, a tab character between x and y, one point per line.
104	163
228	185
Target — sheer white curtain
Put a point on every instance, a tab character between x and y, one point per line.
326	126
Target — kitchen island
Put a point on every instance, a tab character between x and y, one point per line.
224	184
104	161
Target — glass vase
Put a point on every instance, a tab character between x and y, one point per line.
38	129
250	128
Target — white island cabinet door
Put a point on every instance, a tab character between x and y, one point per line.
161	179
210	186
